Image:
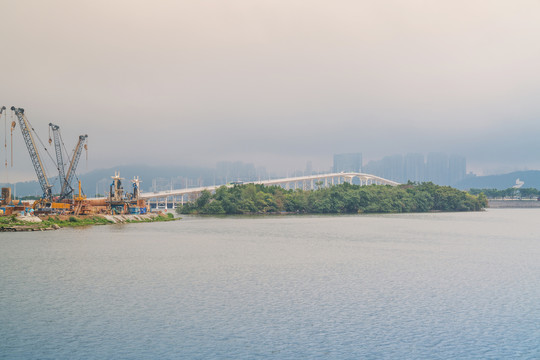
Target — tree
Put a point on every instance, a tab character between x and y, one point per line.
203	199
213	208
423	201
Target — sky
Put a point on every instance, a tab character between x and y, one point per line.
275	82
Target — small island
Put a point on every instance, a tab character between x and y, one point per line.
340	199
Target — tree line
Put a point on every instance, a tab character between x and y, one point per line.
524	193
340	199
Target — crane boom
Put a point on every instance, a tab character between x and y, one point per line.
58	149
34	155
66	186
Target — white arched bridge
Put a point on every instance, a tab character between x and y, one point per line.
170	198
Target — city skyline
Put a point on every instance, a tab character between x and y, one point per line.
163	178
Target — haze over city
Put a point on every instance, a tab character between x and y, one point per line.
276	83
269	179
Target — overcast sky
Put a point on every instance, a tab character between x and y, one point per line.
276	82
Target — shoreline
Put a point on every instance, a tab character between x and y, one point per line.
513	204
292	214
51	222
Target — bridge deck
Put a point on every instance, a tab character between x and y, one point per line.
319	177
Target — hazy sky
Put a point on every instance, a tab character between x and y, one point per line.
276	82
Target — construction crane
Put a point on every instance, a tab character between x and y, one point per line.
58	150
34	155
65	179
67	189
5	135
66	186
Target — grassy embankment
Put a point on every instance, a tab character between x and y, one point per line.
14	223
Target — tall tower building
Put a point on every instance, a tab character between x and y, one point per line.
457	168
393	168
348	162
415	168
437	168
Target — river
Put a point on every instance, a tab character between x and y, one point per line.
402	286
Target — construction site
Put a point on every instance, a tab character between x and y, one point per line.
69	198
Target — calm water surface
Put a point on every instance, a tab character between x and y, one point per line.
415	286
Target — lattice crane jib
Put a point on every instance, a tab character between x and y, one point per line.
34	155
58	150
66	186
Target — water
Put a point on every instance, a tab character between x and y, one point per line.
415	286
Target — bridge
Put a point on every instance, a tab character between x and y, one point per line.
170	198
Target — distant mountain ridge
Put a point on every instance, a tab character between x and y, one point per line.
206	176
531	179
102	177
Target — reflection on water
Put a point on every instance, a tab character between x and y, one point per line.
457	285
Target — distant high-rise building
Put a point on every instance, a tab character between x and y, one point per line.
414	167
457	168
437	168
348	162
393	168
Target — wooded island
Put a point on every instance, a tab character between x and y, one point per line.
340	199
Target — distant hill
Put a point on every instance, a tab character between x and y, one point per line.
205	177
531	179
102	178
